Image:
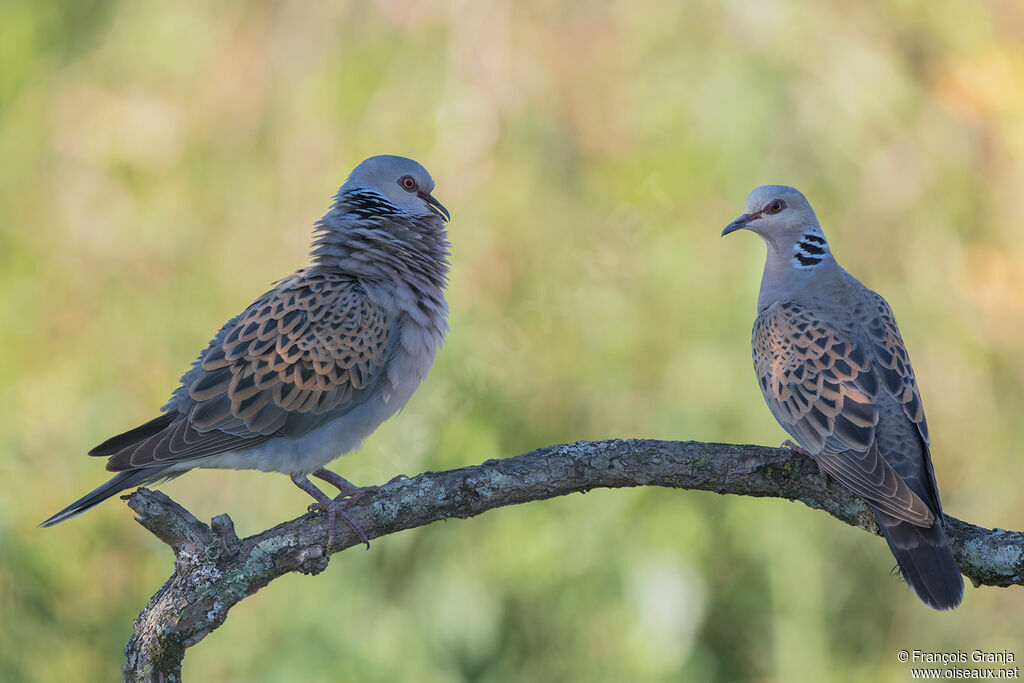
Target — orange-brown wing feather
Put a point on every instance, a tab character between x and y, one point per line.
821	382
313	345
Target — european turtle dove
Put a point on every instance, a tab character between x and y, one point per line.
316	364
836	375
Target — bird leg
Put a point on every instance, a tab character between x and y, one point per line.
347	488
334	507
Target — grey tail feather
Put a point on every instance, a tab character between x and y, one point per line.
925	561
133	436
117	483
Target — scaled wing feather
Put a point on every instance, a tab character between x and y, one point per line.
821	381
303	352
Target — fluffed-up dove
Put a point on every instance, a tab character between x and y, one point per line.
312	367
836	375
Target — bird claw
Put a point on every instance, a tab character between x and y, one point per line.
336	508
349	498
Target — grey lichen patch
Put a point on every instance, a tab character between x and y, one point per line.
530	478
234	584
407	499
263	553
854	511
274	543
577	450
200	573
386	510
216	612
1004	560
492	483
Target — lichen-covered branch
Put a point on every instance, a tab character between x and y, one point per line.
214	569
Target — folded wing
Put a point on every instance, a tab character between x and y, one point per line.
822	380
306	351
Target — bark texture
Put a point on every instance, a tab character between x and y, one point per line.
214	569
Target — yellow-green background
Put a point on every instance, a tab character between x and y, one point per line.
162	162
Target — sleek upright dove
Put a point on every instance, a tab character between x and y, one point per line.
316	364
836	375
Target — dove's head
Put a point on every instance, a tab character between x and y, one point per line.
778	214
403	182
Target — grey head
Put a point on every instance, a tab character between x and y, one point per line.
401	181
780	214
786	222
386	226
798	254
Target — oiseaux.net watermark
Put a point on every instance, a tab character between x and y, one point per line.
961	664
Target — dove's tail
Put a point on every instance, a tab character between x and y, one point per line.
118	483
925	561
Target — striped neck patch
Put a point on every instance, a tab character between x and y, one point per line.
365	204
810	251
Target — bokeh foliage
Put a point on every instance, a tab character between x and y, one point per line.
163	163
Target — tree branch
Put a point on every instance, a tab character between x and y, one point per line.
214	569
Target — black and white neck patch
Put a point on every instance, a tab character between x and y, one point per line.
810	250
365	204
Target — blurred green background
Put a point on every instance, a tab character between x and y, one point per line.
164	162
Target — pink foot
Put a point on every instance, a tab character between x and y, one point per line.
335	507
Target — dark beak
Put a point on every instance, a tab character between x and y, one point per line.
740	223
435	206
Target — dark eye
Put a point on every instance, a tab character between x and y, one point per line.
407	183
776	206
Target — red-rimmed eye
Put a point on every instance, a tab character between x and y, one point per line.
408	183
776	206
